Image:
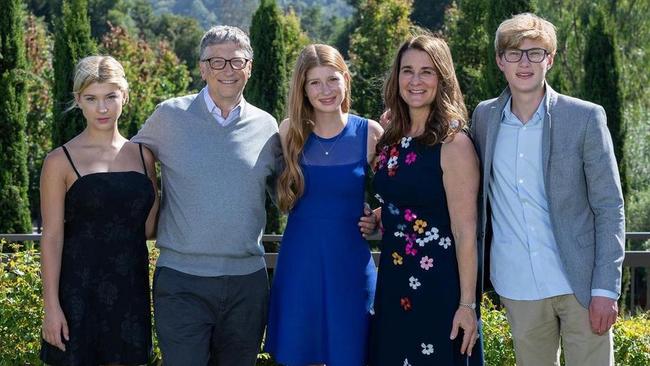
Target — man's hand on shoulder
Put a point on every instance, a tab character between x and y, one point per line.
602	314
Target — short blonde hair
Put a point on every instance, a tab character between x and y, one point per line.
99	69
513	31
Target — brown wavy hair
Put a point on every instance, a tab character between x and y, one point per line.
448	114
291	182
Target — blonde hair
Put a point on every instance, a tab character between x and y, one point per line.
291	182
513	31
98	69
448	113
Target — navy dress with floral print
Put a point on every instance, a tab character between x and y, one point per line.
418	287
104	282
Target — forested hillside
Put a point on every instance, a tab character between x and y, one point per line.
240	12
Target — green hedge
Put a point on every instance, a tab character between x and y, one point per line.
21	314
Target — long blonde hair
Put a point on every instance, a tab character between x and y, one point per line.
448	113
291	182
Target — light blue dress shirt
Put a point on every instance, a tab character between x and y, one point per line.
525	263
216	111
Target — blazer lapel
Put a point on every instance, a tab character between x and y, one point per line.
551	98
494	122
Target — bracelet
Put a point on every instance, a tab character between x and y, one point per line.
468	305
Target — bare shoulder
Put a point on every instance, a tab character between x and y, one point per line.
56	166
374	129
284	128
56	160
458	150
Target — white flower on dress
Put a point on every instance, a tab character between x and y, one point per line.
427	349
401	227
378	197
429	235
406	141
406	362
392	209
398	234
445	242
392	162
414	283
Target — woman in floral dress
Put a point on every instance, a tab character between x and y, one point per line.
427	180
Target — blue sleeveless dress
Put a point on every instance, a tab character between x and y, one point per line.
323	286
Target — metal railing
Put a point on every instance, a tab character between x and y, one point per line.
633	259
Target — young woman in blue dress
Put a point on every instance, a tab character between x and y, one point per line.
324	283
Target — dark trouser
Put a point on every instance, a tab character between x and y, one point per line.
209	320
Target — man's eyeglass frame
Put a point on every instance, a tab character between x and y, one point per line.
211	61
521	55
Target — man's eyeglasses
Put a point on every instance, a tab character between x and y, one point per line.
219	63
535	55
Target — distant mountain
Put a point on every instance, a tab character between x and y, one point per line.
240	12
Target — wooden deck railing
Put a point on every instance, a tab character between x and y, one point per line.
633	259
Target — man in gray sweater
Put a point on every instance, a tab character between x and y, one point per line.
218	155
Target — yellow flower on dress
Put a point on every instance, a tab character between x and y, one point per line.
419	226
397	259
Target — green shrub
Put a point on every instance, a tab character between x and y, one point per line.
21	314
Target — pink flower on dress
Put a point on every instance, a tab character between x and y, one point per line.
410	158
426	263
409	216
410	250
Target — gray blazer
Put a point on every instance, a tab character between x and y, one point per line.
582	186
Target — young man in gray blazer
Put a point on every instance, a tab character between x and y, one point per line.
551	206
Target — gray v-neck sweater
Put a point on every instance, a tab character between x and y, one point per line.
212	213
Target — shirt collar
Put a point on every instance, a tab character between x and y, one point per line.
214	109
507	114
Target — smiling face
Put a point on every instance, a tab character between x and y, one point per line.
325	88
226	85
418	81
525	76
101	104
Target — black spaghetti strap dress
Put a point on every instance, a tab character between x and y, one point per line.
104	283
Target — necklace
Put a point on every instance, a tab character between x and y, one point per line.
326	151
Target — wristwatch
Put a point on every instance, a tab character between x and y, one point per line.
468	305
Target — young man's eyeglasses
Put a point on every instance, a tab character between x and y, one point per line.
219	63
535	55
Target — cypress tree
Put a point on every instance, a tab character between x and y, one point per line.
601	83
72	42
469	43
497	12
382	26
14	182
267	87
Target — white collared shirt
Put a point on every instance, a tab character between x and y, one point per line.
216	112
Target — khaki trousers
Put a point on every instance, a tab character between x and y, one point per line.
537	327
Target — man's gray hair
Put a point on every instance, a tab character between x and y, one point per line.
223	34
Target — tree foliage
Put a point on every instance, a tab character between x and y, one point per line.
383	25
267	87
497	12
429	14
72	42
14	202
601	82
469	43
38	44
154	74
